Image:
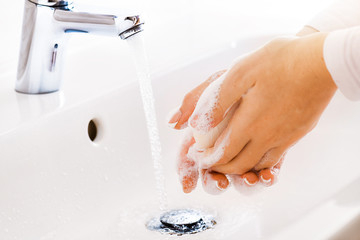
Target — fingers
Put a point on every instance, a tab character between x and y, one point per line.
230	142
223	151
235	137
244	185
279	164
219	96
245	160
178	118
187	168
214	183
270	158
173	117
247	183
250	178
205	140
269	176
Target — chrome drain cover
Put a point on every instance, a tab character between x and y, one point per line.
182	221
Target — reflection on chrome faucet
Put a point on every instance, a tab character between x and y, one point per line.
44	37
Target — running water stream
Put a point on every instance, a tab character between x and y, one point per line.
136	44
176	221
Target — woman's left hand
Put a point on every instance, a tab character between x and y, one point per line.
215	182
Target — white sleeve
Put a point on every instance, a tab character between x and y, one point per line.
341	14
342	59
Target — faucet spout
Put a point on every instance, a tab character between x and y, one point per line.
104	24
44	38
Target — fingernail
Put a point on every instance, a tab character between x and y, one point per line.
173	117
266	181
248	183
212	186
218	185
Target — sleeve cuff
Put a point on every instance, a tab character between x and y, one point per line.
342	58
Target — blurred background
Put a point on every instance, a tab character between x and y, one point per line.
181	28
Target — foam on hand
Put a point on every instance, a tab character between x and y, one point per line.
244	188
206	105
207	139
206	160
205	136
210	185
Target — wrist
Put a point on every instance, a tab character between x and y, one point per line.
309	50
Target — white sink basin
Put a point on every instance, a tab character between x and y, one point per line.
57	184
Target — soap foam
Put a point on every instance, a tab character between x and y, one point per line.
206	160
188	170
211	186
239	184
208	139
184	125
206	105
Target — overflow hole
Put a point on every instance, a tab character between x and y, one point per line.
92	130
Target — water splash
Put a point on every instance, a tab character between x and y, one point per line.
136	44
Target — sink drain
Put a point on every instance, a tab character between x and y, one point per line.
181	221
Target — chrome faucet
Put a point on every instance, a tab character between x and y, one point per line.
44	37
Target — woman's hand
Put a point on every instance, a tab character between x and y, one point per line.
283	88
214	182
188	169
